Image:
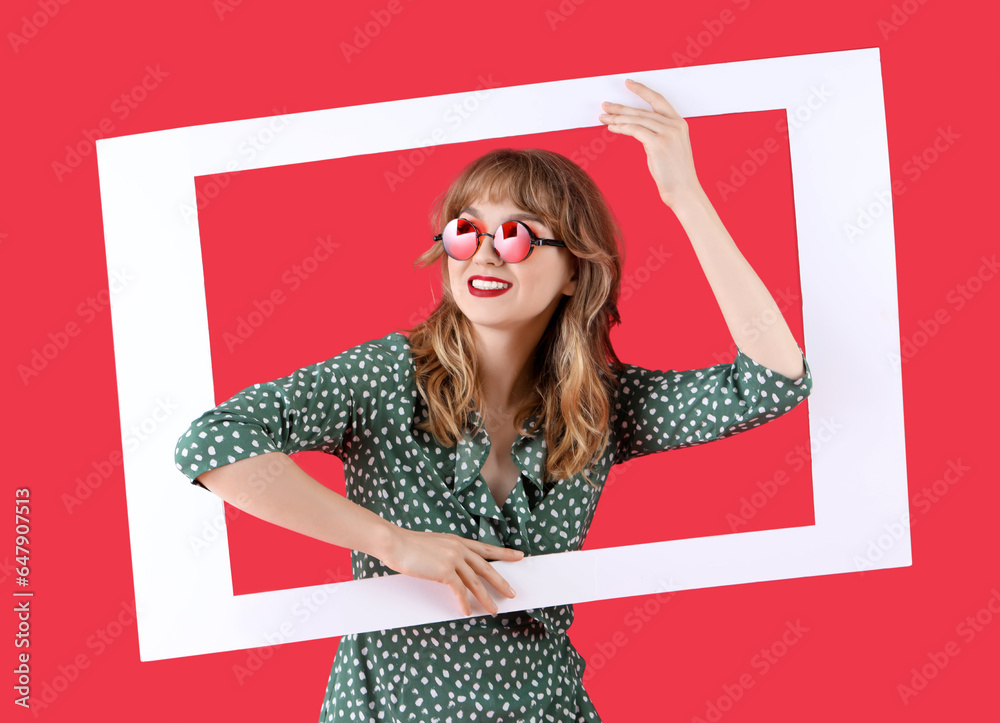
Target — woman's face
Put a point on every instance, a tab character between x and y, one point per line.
533	287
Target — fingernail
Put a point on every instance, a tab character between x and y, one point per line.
511	590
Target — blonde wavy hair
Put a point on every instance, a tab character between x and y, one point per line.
574	363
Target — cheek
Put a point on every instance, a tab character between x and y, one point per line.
451	273
541	286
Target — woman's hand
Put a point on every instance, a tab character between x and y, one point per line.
664	135
453	560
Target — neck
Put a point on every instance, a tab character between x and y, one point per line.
507	364
506	355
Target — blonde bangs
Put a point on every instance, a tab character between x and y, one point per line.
523	181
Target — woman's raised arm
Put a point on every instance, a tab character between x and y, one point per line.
745	302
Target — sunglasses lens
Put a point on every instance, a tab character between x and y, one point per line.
459	239
512	241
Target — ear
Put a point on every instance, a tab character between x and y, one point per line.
570	287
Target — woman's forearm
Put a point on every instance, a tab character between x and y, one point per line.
275	489
753	317
754	320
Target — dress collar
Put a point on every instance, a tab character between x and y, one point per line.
528	454
511	526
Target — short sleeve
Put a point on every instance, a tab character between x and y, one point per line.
662	410
311	409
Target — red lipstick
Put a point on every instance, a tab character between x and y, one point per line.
488	292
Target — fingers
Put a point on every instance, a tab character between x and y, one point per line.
494	552
643	135
657	101
475	585
617	113
627	110
458	587
489	573
651	123
662	116
460	563
475	568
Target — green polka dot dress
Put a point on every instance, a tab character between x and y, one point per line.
363	407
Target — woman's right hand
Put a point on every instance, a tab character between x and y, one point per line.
453	560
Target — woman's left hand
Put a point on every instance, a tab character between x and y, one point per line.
664	135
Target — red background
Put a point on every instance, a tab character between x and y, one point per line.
865	631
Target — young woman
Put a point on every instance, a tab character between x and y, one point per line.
488	432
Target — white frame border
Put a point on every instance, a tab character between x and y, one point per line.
839	163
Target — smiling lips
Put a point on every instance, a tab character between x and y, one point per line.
488	286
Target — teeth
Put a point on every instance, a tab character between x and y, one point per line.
486	285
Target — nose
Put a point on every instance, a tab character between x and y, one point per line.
486	253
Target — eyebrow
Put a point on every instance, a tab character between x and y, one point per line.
512	217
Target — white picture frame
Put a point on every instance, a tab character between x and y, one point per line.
840	167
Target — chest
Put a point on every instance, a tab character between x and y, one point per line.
499	471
